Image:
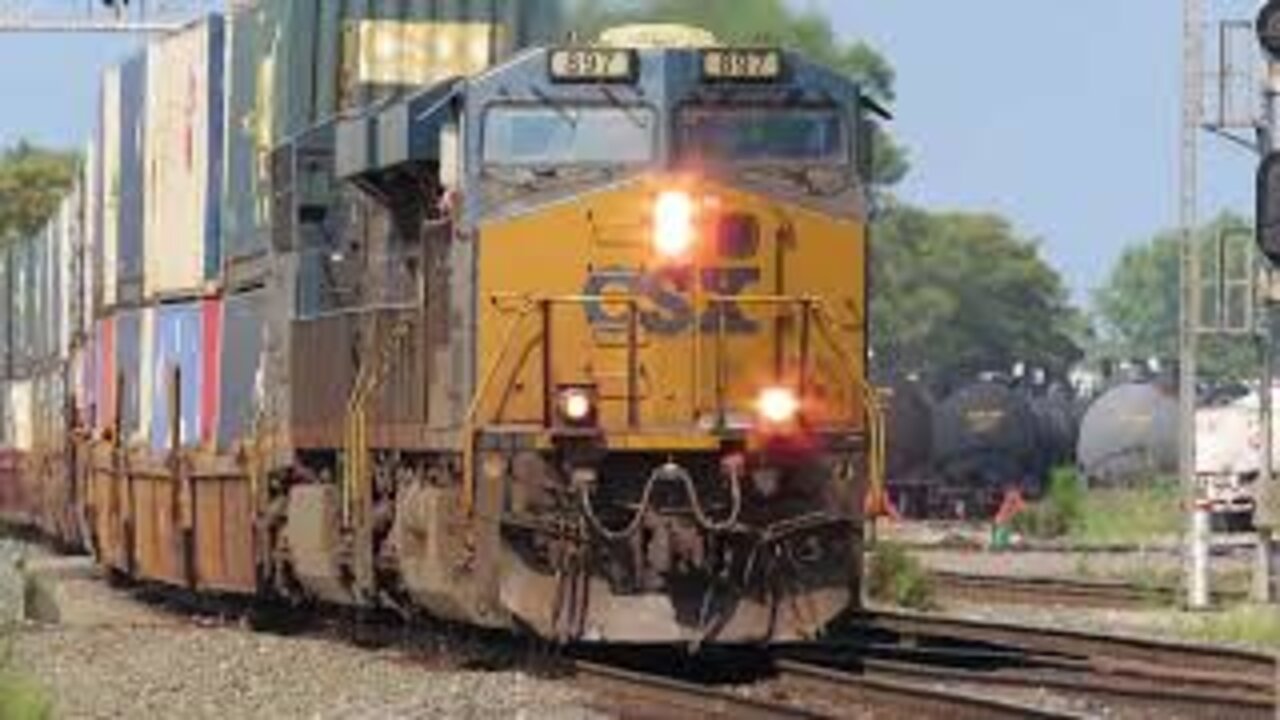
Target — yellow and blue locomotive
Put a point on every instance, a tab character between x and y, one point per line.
657	289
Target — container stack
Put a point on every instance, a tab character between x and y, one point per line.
139	313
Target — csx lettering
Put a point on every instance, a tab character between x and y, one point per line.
667	306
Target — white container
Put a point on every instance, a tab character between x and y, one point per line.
20	416
108	219
90	262
184	160
147	373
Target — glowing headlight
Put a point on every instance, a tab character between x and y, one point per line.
673	231
577	406
778	405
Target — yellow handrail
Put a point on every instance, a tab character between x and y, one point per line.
876	442
355	468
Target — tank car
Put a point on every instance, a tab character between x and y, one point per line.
993	435
1129	435
573	344
908	420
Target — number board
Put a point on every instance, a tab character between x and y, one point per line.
741	65
593	65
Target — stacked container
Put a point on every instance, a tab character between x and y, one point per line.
108	180
183	149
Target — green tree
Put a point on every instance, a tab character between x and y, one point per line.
1138	307
954	294
32	181
774	21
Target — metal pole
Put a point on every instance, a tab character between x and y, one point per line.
1197	574
1264	590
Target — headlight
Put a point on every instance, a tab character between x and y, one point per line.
673	231
577	406
778	406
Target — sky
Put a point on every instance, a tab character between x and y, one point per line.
1062	116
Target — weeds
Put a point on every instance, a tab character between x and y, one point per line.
22	699
897	578
1102	516
1256	625
1059	512
1129	516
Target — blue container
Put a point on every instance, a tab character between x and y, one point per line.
133	167
129	366
240	365
242	233
177	342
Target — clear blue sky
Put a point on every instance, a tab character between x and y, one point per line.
1061	115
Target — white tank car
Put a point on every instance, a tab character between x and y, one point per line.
1229	452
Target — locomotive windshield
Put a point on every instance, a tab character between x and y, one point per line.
763	134
569	135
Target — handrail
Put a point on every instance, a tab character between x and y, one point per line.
811	306
877	447
367	383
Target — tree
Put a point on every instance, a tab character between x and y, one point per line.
1138	307
954	294
751	21
32	182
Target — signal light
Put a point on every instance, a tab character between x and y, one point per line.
778	406
1268	209
1268	29
673	231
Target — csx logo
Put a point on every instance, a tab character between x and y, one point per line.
667	306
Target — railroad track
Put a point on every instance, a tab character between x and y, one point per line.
797	690
642	696
1149	678
1008	590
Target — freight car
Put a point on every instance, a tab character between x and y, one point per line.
992	435
573	344
908	420
1129	435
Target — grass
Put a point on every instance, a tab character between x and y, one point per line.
897	578
22	699
1103	516
1256	625
1059	511
1129	516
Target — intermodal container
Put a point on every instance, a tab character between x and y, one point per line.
133	173
184	121
107	216
37	327
6	310
243	232
66	267
22	433
185	350
20	278
240	367
90	258
104	373
81	377
128	371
